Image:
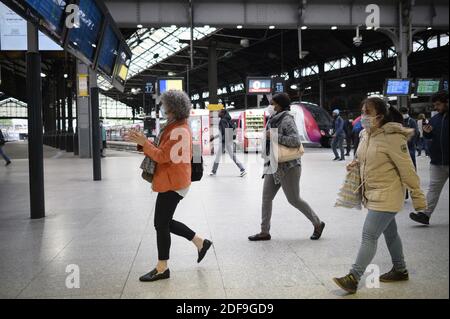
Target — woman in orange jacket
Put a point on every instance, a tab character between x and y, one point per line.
171	178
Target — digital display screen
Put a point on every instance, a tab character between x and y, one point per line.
84	37
123	66
52	11
428	86
259	86
398	87
108	53
13	33
170	84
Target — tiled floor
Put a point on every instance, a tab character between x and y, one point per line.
106	229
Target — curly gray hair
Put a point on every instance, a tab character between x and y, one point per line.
177	103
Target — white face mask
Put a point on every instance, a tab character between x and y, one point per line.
368	122
271	110
405	116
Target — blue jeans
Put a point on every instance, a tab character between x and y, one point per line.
6	158
378	223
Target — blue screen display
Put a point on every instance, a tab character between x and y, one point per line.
52	11
85	37
108	53
398	87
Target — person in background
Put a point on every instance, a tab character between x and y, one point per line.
357	129
171	178
2	143
409	122
226	135
287	174
386	168
421	143
103	135
338	136
348	128
437	132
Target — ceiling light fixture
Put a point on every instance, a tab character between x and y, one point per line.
271	27
239	27
140	26
304	27
334	27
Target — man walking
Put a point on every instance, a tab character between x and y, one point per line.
437	132
412	143
226	134
338	136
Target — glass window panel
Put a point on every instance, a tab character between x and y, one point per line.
444	39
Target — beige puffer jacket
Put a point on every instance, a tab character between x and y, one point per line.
387	170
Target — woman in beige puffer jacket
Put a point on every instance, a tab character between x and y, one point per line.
386	172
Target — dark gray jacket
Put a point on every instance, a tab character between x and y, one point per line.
287	136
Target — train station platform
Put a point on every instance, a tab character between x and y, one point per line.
106	229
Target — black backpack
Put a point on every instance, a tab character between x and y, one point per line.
197	170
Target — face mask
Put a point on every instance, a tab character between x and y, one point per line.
271	110
368	122
405	116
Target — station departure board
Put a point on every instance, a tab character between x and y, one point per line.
84	38
398	87
109	51
427	87
122	67
52	14
96	40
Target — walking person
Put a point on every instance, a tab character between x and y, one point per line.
437	132
348	128
226	130
422	144
356	132
171	178
2	143
338	136
287	174
408	122
386	168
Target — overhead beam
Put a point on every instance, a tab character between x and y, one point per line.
262	13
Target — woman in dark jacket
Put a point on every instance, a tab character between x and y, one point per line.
284	175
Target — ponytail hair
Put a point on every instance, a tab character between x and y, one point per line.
389	113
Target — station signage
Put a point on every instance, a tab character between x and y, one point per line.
259	85
85	29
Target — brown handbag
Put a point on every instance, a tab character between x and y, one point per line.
286	154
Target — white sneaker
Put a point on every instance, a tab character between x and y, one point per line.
212	174
243	173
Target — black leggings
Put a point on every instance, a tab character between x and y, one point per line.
166	204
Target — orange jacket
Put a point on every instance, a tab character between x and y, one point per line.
172	157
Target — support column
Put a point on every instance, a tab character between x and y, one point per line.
69	136
404	46
212	72
83	116
322	93
95	124
62	96
35	147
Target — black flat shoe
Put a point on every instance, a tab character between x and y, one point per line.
154	276
260	237
318	231
201	254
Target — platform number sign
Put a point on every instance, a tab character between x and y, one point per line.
149	85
